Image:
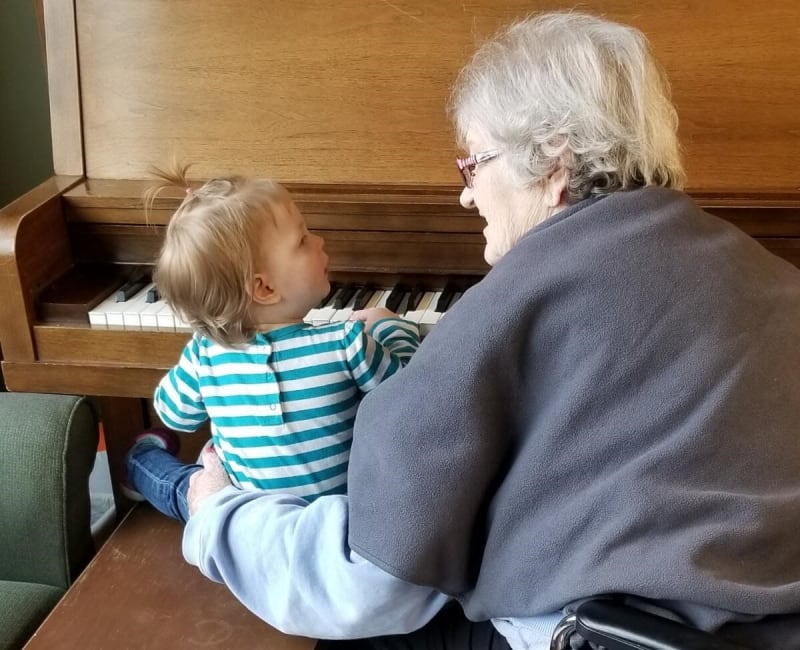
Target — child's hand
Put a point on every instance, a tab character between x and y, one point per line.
372	315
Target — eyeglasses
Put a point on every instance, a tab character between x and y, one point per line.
467	165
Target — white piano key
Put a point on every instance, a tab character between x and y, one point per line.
97	316
323	315
343	314
317	315
382	298
416	314
114	318
149	315
378	296
133	307
416	294
165	319
430	317
180	325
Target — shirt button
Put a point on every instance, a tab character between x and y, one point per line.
273	407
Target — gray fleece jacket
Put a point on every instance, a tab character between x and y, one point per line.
615	408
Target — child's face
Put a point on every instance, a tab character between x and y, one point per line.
295	262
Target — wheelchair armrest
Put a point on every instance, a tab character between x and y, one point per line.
621	627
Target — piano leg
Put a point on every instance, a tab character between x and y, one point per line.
123	420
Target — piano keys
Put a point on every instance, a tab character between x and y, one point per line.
146	310
418	243
59	334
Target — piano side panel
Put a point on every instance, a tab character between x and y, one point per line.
34	250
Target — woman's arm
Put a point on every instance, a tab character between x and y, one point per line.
289	562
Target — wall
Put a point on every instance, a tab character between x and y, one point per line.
25	151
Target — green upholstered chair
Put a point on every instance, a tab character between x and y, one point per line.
48	445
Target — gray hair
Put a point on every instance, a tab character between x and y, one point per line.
569	89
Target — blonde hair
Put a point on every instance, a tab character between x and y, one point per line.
570	89
206	265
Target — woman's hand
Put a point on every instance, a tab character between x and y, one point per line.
207	481
372	315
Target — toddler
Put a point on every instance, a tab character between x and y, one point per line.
239	265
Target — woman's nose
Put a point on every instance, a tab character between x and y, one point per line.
466	198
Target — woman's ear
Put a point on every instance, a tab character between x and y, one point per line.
263	292
555	187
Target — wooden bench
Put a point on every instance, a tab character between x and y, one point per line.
138	592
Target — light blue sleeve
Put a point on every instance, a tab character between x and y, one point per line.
288	561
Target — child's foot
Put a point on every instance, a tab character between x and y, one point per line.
162	438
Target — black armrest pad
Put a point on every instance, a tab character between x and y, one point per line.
620	627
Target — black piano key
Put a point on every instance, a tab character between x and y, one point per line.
344	296
131	288
413	298
402	308
152	295
396	296
445	299
455	299
363	296
329	297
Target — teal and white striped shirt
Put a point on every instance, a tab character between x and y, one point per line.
282	408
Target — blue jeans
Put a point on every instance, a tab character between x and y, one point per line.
161	478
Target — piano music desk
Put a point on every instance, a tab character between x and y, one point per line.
138	592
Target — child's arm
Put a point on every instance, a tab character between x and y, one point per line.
177	399
373	358
400	336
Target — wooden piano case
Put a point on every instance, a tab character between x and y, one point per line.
344	102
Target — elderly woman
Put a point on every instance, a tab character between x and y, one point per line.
613	409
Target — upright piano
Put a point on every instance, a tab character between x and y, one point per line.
344	102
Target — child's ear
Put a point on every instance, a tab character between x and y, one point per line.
263	292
